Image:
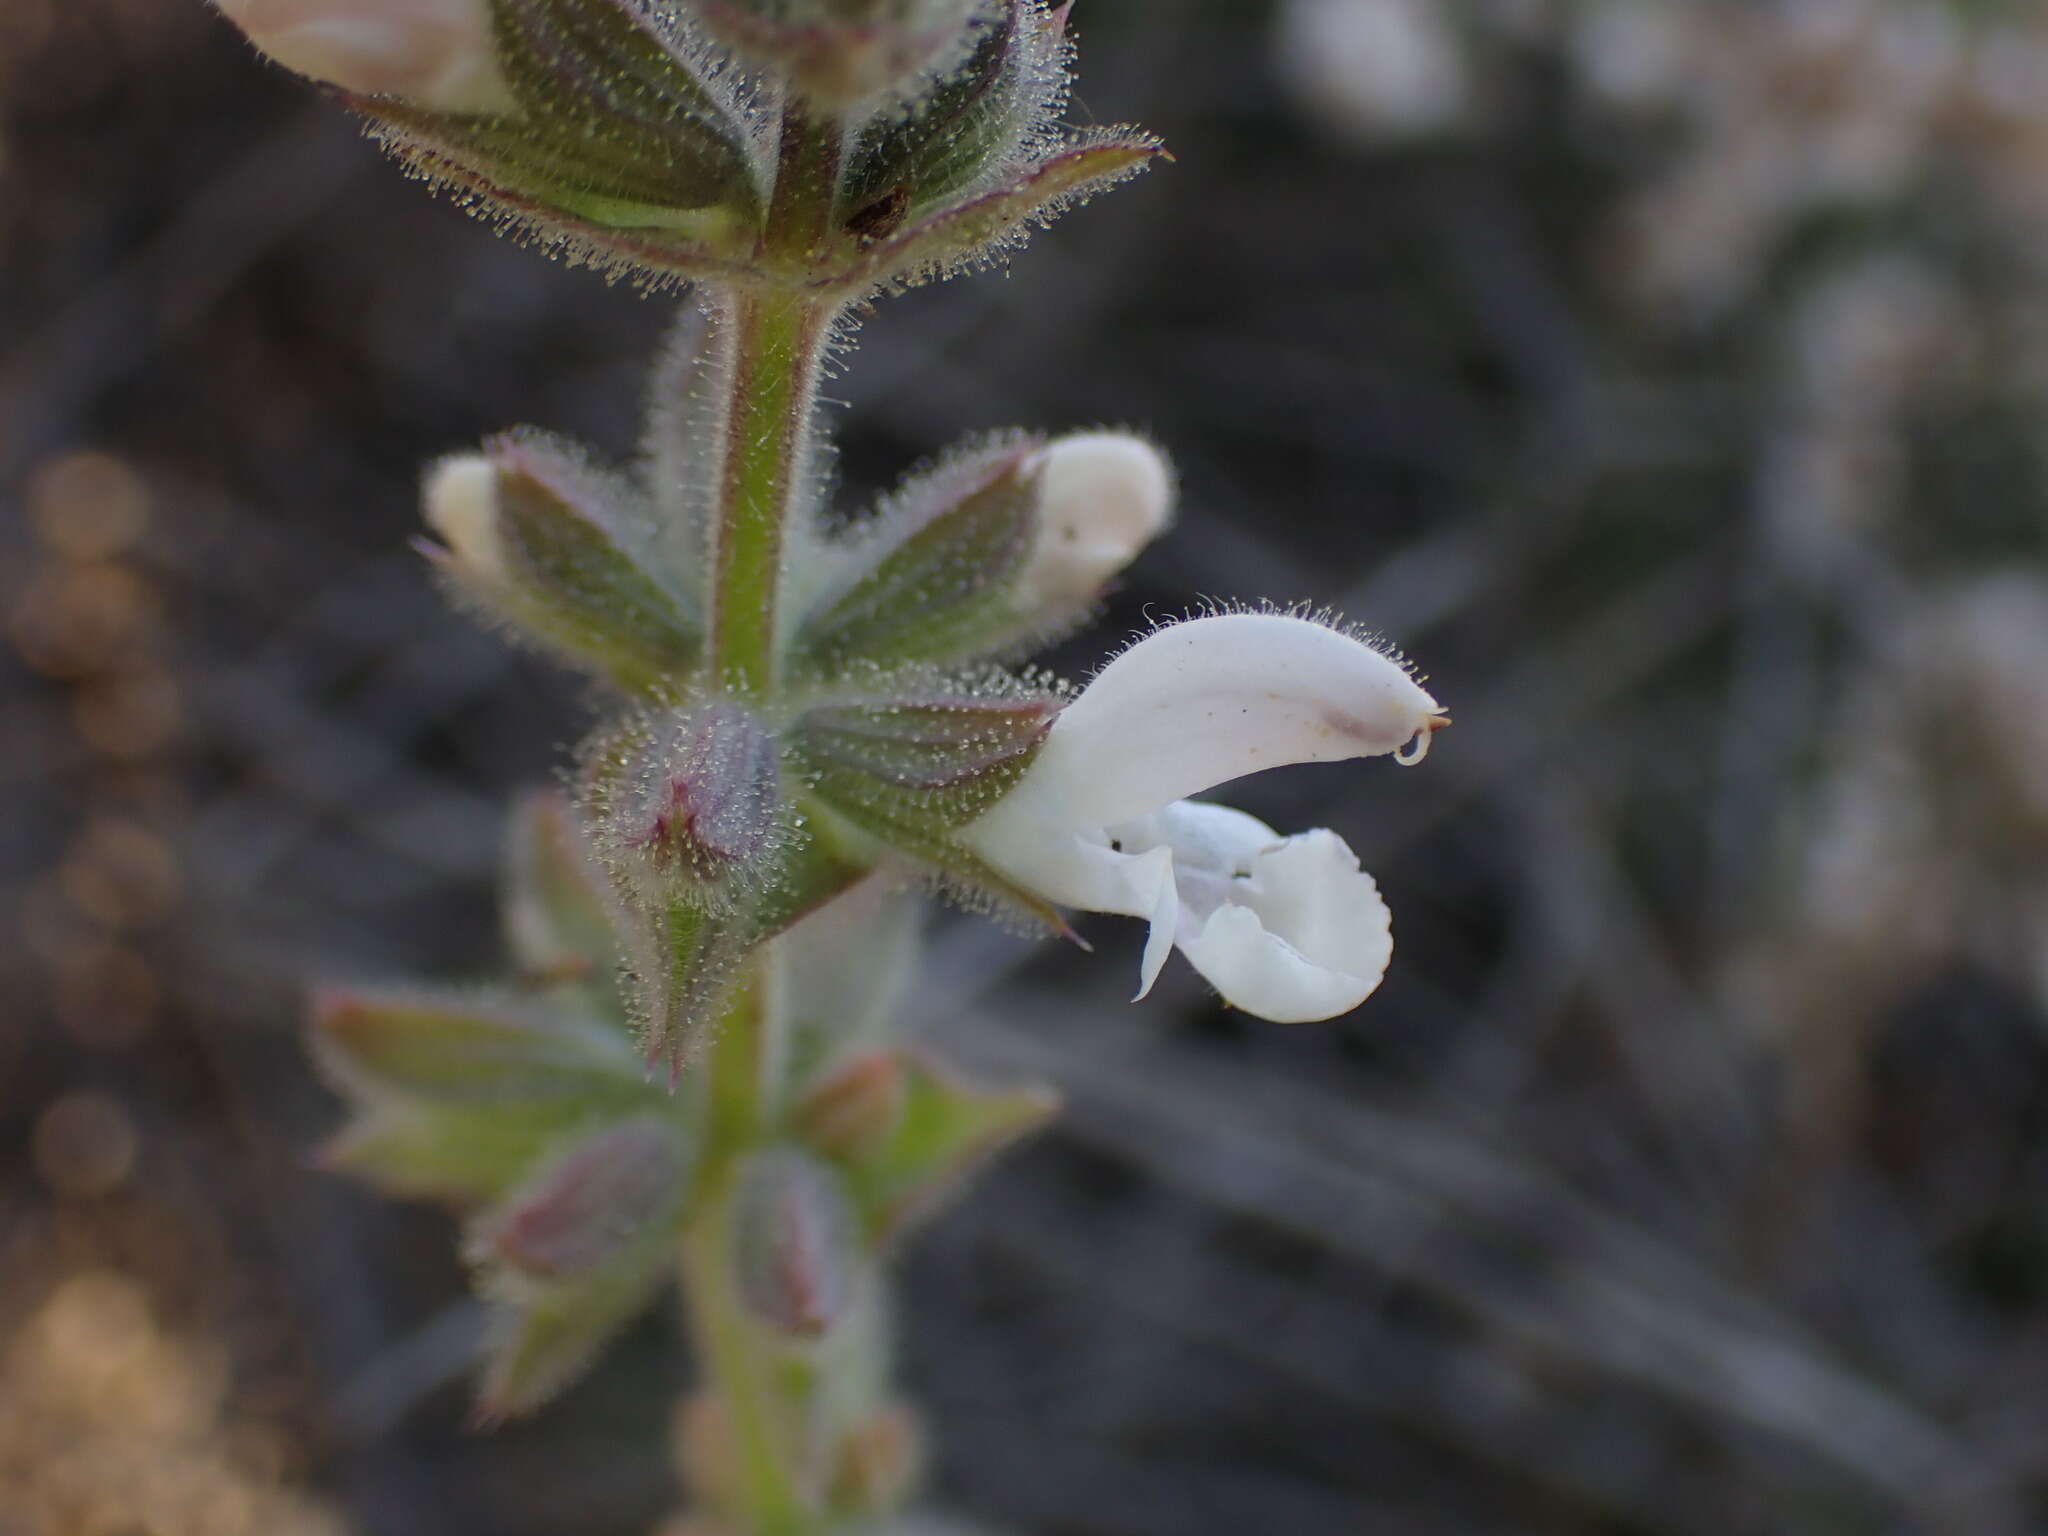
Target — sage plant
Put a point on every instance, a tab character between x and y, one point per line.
694	1068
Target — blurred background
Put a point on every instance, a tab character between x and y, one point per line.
1669	377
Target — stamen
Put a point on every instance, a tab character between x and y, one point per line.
1418	748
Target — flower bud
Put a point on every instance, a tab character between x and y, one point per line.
1102	497
437	53
591	1203
797	1248
688	802
856	1107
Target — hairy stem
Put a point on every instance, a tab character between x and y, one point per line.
784	1421
774	339
771	1489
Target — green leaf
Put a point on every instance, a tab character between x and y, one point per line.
947	1129
925	578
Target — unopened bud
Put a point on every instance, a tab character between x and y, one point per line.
437	53
590	1203
856	1107
880	1462
689	800
1102	497
797	1243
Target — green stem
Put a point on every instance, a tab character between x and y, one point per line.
773	335
771	1488
774	338
774	341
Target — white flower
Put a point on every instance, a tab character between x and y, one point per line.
1288	928
437	53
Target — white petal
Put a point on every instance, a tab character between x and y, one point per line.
1102	497
438	53
1197	704
1069	868
1152	874
1305	935
462	507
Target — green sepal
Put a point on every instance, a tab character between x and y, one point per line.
929	760
681	961
608	73
616	130
925	578
461	1154
683	958
915	757
978	115
591	182
455	1095
570	567
455	1049
946	1130
845	970
981	226
552	1317
560	918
